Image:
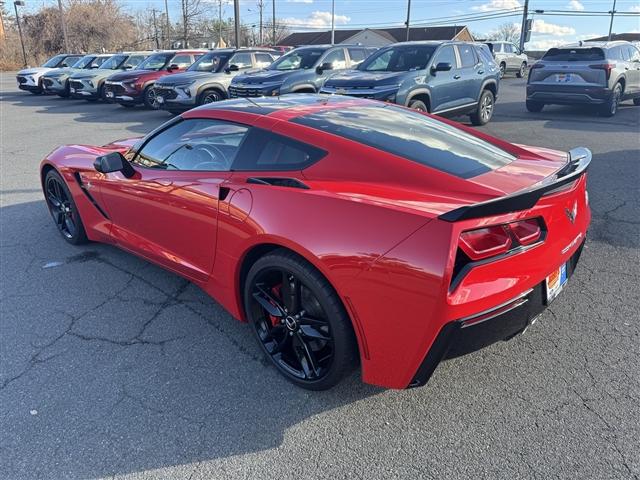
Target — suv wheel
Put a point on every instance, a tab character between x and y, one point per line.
209	96
523	70
610	108
503	68
150	98
484	110
418	105
534	106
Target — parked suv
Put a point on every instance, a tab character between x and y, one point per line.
208	78
90	85
509	58
57	80
452	78
593	73
30	79
134	87
303	69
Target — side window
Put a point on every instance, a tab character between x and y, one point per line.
467	57
133	61
67	62
497	47
357	56
194	144
181	60
508	48
485	56
268	151
336	58
446	55
242	60
635	54
263	59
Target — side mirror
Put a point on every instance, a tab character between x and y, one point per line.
440	67
232	68
172	67
94	66
114	162
323	67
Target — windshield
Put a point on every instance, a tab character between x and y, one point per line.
114	62
399	59
155	62
211	62
301	58
54	61
574	54
83	62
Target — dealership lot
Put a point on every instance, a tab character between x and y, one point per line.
110	366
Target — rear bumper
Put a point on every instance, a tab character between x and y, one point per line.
500	323
568	95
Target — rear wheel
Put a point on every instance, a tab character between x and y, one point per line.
533	106
209	96
503	69
150	98
419	105
299	321
523	70
63	209
484	110
610	108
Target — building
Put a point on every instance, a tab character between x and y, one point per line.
629	37
379	37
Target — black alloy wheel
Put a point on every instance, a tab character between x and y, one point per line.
299	321
63	209
210	96
151	98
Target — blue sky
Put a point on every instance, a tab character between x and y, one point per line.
549	30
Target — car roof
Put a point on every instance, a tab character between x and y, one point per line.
434	43
614	43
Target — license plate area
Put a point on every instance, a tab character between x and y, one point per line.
555	282
563	77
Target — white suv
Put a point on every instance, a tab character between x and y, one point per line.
509	58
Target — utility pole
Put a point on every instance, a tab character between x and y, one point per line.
273	22
613	12
236	21
260	4
16	4
64	28
168	26
155	29
408	17
219	23
333	21
523	28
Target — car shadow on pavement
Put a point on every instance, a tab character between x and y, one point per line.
112	365
90	112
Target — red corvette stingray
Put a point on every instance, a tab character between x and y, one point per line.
342	229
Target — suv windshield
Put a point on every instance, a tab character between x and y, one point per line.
211	62
399	59
574	54
155	62
54	61
84	61
411	135
114	62
302	58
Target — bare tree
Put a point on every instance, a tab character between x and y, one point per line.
192	11
509	32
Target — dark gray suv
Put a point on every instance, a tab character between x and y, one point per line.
592	73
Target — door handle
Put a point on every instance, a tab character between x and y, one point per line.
480	72
456	76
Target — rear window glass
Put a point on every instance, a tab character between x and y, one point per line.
574	54
413	136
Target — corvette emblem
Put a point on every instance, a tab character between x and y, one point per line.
573	213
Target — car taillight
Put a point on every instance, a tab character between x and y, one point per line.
491	241
607	67
536	65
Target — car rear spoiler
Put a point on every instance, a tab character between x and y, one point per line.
579	160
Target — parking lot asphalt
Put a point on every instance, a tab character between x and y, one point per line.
112	367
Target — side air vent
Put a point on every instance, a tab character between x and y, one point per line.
85	190
278	182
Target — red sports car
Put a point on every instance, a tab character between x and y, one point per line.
341	229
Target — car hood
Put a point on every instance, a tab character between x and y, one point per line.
129	75
58	72
35	70
185	77
95	73
357	78
265	76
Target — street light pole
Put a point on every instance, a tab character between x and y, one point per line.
408	17
155	29
273	22
16	4
236	21
523	27
613	12
333	21
64	27
166	14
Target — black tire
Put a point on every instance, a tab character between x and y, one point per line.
63	209
534	106
210	95
484	111
419	105
67	90
610	108
149	98
636	101
503	69
310	340
523	70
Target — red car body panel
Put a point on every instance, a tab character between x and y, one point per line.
375	234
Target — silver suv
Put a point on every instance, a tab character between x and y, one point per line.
592	73
509	58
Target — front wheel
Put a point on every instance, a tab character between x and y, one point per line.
209	96
503	69
523	70
484	110
610	108
419	105
299	321
63	209
150	98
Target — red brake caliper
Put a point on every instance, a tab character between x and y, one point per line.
275	320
